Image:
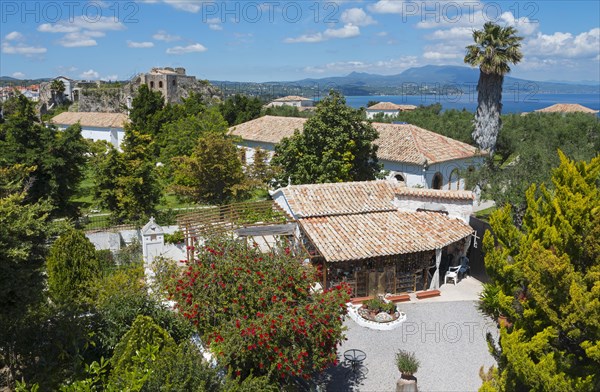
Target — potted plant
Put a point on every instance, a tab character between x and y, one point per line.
407	364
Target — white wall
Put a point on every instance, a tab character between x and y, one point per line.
456	208
372	113
114	136
420	176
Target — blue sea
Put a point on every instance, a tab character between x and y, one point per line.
513	102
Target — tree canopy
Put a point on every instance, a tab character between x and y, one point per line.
336	145
57	157
257	311
71	265
212	174
547	276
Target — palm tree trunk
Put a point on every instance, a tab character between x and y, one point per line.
489	108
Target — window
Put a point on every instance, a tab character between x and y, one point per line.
454	181
399	177
174	82
151	84
437	181
160	84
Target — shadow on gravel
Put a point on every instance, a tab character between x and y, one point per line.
343	378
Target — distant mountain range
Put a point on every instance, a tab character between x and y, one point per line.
429	79
10	81
432	79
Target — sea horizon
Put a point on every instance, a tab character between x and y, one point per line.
511	102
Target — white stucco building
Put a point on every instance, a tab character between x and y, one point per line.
69	86
292	100
95	126
412	155
388	109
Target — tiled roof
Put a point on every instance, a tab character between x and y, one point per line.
408	143
291	98
268	129
434	194
390	106
405	143
358	197
341	198
566	108
92	119
362	236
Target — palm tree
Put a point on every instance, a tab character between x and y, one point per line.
57	89
495	47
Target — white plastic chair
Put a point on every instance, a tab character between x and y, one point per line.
452	273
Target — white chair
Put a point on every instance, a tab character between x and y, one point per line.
452	273
455	272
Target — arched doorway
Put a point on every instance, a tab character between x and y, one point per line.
454	181
437	181
399	178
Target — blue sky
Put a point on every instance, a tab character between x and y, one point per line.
286	40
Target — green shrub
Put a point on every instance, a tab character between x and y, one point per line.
378	305
407	362
175	238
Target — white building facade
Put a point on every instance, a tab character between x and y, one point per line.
412	155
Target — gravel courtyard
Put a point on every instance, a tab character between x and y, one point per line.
447	337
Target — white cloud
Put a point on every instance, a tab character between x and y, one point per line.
388	7
81	31
103	23
192	6
214	24
564	45
18	75
22	49
389	67
162	35
13	36
455	33
523	25
436	56
382	34
90	75
112	77
348	31
357	17
194	48
138	45
305	38
80	39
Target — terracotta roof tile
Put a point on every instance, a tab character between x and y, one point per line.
390	106
92	119
362	236
344	198
268	129
408	143
435	194
291	98
567	108
403	143
341	198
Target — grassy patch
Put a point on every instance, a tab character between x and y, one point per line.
485	214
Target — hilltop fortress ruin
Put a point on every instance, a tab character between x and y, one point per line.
116	97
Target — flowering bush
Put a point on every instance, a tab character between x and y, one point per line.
256	311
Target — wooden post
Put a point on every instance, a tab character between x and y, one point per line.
324	275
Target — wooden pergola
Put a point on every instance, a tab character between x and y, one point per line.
249	220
